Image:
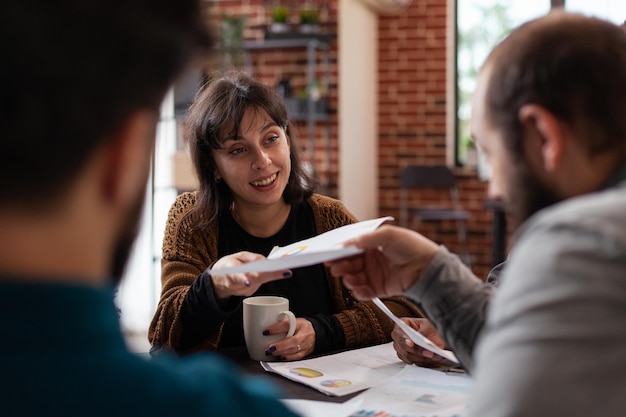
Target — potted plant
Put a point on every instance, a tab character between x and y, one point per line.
309	20
279	19
231	37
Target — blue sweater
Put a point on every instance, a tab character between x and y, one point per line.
62	354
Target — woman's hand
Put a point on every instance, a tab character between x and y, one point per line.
410	353
296	347
225	286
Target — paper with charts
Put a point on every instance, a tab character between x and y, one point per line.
318	249
417	392
342	373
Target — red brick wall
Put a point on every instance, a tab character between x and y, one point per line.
412	110
270	65
412	117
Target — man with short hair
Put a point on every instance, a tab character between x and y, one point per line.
82	83
549	113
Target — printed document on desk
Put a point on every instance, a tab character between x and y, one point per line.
308	408
342	373
417	392
321	248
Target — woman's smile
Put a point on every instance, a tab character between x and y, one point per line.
265	181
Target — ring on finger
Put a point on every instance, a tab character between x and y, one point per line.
299	348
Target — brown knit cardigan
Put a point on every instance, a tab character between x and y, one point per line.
188	251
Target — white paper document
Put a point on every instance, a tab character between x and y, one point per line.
342	373
321	248
308	408
417	338
416	392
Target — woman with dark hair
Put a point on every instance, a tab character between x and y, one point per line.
255	194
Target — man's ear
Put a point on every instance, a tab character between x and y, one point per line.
544	134
128	161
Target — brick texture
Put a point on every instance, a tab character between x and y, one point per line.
412	110
412	117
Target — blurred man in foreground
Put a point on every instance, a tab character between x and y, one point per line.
549	113
82	86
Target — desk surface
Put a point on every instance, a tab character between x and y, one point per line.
289	388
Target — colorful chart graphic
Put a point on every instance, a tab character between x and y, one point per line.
306	372
336	383
295	250
371	413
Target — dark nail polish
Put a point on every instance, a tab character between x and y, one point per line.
272	349
268	353
282	358
287	274
266	332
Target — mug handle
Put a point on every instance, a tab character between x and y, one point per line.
292	322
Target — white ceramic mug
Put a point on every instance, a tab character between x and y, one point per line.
259	313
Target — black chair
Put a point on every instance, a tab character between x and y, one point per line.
415	177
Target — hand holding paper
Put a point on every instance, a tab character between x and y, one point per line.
413	354
318	249
393	259
415	336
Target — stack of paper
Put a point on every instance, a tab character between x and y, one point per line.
417	392
413	392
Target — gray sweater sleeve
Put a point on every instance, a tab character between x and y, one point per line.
555	340
455	300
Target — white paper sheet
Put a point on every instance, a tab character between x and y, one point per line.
321	248
308	408
418	338
416	392
342	373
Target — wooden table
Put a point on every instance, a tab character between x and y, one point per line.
290	389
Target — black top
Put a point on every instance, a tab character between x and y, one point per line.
308	291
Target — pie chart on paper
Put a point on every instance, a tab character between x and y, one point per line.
336	383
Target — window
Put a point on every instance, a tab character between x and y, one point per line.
480	24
